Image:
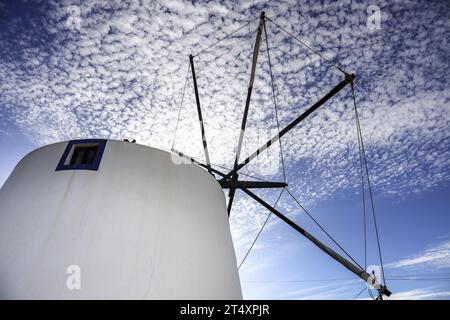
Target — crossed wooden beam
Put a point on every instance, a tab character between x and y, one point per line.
231	180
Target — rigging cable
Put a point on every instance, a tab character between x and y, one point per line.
364	289
229	169
181	105
343	279
260	230
370	293
240	173
274	99
318	224
358	125
224	38
363	195
245	38
309	47
276	113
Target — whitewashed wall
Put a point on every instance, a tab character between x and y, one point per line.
140	227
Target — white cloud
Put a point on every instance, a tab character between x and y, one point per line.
437	257
419	294
328	291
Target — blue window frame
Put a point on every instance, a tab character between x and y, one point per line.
82	155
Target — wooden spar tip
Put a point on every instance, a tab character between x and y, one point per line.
349	77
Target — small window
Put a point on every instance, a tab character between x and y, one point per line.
82	155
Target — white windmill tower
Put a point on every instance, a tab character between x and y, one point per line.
135	223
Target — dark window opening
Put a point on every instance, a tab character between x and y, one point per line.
83	154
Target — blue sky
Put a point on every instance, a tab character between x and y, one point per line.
116	69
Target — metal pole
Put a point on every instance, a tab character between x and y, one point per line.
194	161
362	274
252	184
250	85
350	266
200	118
247	105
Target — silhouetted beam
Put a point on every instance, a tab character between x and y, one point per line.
252	184
189	159
361	273
348	79
231	194
200	118
247	105
250	87
350	266
230	199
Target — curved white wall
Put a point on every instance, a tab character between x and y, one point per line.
141	227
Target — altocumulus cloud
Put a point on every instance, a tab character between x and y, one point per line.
435	257
120	72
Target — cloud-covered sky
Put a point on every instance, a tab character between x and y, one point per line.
116	69
438	257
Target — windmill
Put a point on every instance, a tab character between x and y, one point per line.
101	218
231	180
